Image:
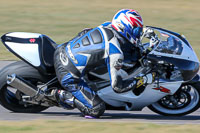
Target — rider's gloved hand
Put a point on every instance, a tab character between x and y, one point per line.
148	33
147	79
153	41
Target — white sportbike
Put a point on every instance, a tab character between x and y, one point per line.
26	86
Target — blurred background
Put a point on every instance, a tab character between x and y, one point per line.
63	19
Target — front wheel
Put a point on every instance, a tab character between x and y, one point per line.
185	101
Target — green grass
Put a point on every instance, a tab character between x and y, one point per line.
49	126
62	19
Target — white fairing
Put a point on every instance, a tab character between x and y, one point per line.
28	51
148	97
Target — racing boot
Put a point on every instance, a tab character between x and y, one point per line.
64	98
90	105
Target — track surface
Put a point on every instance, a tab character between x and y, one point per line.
111	116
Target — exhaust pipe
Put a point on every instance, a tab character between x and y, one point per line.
24	86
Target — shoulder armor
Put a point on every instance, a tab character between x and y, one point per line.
96	36
109	33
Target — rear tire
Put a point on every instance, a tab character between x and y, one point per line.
188	101
8	98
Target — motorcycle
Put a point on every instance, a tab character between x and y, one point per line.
26	86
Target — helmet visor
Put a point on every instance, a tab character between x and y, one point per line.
137	32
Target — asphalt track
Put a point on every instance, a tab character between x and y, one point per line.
54	113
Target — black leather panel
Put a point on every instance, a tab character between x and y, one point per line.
96	37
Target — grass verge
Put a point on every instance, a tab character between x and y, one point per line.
55	126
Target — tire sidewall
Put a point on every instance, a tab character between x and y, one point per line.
197	87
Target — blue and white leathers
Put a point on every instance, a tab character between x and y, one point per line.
87	51
90	54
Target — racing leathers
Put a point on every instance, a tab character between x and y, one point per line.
91	48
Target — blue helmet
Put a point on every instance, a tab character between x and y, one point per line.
129	24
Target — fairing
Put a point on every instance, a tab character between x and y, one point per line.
179	53
175	49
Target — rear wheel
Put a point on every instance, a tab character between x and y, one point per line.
10	98
186	100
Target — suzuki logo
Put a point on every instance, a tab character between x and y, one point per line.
162	89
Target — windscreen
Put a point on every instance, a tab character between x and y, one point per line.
169	45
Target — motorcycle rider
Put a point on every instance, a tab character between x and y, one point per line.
111	43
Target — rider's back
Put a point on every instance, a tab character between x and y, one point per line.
88	49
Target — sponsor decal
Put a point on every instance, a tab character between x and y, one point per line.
63	59
32	40
162	89
71	54
8	38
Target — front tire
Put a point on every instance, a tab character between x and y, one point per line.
8	95
185	101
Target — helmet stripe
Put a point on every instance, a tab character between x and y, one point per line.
129	21
114	27
136	20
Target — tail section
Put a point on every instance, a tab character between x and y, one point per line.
34	48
